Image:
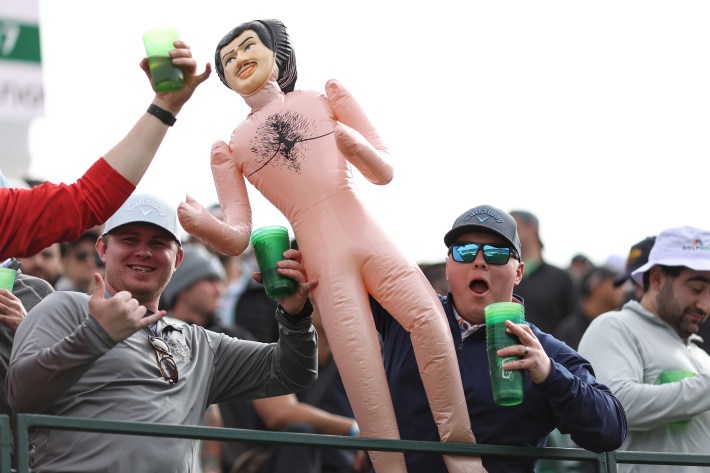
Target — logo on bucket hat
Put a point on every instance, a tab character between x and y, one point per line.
145	208
485	218
681	246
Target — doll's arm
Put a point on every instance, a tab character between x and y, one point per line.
230	235
368	155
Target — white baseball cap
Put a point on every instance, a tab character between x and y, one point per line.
681	246
145	208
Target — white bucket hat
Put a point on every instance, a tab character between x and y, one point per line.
145	208
681	246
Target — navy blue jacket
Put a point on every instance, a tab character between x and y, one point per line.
570	399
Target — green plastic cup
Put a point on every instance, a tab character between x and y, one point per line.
507	385
269	244
674	376
158	43
7	278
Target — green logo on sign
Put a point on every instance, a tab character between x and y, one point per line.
19	41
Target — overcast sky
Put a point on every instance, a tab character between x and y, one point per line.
592	115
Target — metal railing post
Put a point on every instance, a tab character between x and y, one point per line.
22	424
611	462
5	444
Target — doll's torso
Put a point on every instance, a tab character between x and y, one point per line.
287	151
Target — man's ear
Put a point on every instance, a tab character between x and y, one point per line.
101	247
656	276
519	272
178	257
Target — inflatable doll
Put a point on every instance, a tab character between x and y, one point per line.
295	148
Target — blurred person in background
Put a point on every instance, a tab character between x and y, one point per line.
578	267
598	295
80	261
548	291
47	264
638	256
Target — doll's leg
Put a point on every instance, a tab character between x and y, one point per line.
347	321
414	304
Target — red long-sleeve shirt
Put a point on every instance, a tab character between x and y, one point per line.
33	219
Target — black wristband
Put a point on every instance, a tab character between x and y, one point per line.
305	312
162	115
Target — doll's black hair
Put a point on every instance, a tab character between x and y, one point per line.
275	37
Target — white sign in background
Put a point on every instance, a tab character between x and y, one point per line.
21	89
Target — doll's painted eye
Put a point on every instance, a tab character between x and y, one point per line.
248	47
228	61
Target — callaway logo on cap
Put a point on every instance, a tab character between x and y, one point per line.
488	219
148	209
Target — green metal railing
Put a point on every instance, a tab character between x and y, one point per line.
5	445
603	462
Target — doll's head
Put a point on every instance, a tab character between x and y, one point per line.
272	34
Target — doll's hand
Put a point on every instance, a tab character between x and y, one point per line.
355	136
230	234
362	155
192	215
203	225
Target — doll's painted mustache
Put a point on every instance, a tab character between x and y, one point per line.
246	65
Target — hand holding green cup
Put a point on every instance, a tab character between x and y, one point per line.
269	244
158	44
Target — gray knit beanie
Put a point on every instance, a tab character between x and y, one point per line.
197	264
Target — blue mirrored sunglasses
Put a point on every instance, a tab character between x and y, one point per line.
492	254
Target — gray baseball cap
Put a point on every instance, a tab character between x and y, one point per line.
485	218
145	208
